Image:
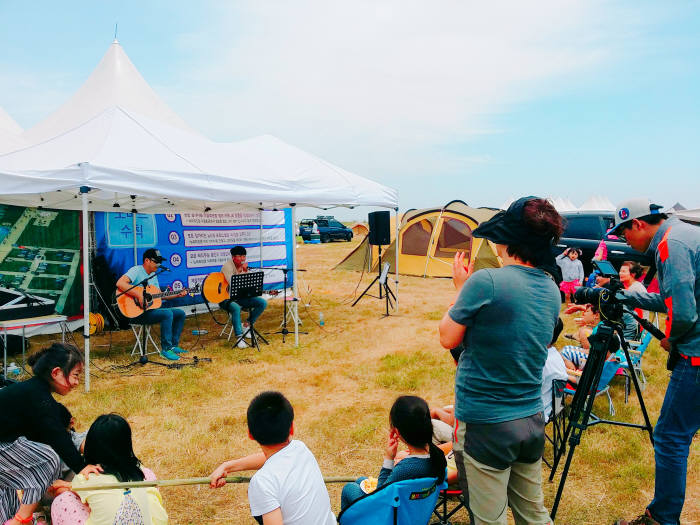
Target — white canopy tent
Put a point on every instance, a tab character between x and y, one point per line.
116	144
10	132
114	82
562	204
597	203
121	159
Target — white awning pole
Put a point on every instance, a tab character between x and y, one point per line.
133	225
86	284
396	263
295	288
261	237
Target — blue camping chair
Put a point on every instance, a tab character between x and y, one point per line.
407	502
636	352
610	369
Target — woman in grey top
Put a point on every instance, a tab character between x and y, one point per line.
504	318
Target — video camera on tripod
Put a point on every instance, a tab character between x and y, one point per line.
608	338
604	298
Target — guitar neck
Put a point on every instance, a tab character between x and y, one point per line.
168	293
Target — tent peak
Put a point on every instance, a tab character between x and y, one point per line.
115	81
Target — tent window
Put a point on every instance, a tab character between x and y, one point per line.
415	238
455	236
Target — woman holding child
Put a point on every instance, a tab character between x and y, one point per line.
505	318
33	436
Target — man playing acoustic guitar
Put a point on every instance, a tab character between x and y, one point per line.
171	319
237	264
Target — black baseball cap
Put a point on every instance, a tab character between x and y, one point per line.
154	255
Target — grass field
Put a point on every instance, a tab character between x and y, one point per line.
342	379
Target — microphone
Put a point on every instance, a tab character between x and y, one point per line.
165	268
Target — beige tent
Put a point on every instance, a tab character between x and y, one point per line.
428	241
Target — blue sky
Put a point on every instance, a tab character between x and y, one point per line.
472	100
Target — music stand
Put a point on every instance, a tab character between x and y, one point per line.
383	281
245	286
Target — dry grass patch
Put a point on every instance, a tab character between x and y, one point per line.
342	380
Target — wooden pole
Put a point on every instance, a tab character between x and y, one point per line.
186	481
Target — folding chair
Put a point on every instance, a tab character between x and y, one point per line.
557	419
610	368
142	334
451	493
636	352
408	502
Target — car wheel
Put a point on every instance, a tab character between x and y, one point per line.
348	237
325	238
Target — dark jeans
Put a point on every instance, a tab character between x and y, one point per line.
258	305
171	322
678	422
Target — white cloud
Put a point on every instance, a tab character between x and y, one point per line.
389	71
381	87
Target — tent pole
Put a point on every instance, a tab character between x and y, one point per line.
295	289
261	237
86	285
396	259
133	229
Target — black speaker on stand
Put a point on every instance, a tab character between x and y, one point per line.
379	235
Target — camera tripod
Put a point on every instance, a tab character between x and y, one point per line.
580	417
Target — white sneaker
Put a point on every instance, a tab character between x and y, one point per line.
246	330
242	344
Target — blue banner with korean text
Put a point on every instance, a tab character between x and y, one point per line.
197	244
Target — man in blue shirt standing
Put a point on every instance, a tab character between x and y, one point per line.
171	319
675	247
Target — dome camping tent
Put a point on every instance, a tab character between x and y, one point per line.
427	242
359	228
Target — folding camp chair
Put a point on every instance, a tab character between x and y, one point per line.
142	335
636	352
557	419
451	493
408	502
610	368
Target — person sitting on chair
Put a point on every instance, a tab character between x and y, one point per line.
171	319
238	264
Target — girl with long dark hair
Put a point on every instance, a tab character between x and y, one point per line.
410	423
108	444
32	434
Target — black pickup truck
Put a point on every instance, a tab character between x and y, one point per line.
328	229
586	230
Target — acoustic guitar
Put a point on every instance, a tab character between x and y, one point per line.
131	307
215	288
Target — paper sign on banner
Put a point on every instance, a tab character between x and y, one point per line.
231	237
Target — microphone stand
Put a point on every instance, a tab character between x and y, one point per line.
284	331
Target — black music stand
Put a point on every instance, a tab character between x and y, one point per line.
383	281
245	286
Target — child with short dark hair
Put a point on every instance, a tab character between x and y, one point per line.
288	486
409	421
